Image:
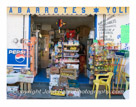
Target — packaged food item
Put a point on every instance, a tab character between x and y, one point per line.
74	92
54	70
58	91
63	81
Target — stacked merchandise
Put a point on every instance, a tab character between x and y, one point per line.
67	52
73	89
71	56
108	58
67	62
68	73
54	77
23	75
99	59
63	82
47	72
101	62
90	70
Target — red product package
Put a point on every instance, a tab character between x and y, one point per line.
71	33
101	42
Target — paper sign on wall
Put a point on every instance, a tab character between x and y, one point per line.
125	34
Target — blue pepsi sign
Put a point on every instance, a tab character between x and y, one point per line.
17	56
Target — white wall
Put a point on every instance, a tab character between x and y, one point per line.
113	28
15	30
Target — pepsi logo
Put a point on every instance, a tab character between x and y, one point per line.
20	58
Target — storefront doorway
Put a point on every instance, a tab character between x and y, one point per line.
49	36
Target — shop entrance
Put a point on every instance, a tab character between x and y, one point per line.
63	45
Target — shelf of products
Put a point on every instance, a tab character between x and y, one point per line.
66	52
71	51
71	56
101	62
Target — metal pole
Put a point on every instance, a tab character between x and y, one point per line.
104	23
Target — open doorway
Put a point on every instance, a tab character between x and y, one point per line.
79	27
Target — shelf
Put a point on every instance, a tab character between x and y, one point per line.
60	52
113	49
69	62
101	60
70	45
98	55
91	68
100	65
71	56
71	50
59	46
101	70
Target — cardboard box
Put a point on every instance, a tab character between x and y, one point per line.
44	63
44	32
58	91
63	81
73	84
13	78
54	83
54	78
46	27
69	73
54	70
84	31
74	92
26	78
72	66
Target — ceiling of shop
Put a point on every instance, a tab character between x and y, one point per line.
71	22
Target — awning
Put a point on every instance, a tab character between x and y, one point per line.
49	11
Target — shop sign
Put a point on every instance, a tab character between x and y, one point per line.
67	10
16	56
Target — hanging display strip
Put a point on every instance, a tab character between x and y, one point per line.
67	10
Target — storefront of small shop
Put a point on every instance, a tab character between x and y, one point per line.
68	48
